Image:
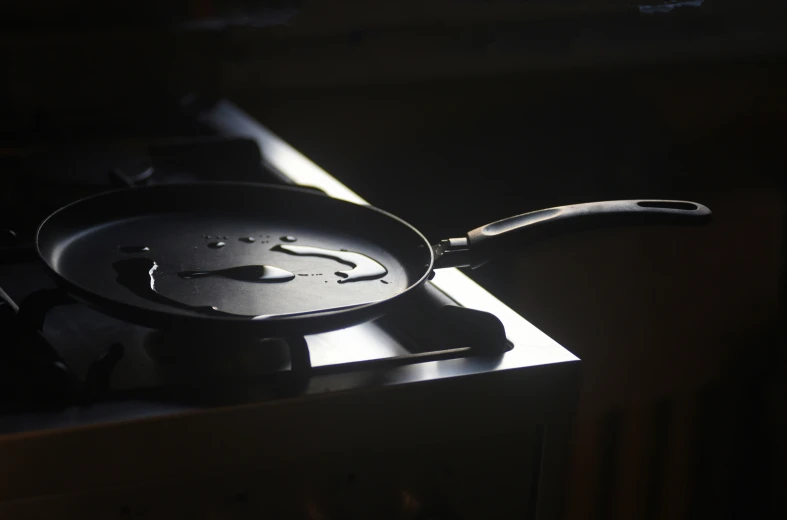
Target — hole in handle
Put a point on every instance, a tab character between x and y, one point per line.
665	204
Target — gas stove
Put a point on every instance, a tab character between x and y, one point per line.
454	408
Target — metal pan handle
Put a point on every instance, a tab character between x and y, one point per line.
486	242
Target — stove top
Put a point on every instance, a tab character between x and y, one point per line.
66	368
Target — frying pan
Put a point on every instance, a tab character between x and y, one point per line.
277	261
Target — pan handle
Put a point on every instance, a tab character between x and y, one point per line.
486	242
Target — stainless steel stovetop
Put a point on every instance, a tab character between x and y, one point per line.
386	423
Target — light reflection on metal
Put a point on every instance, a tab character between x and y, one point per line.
281	155
540	348
353	344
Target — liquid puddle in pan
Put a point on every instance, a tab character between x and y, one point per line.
363	267
245	273
248	240
134	249
288	238
139	276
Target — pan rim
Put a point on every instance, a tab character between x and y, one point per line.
341	315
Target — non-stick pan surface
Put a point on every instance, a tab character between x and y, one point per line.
151	255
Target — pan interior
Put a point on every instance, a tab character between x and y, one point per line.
188	241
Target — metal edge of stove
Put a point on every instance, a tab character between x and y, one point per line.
531	346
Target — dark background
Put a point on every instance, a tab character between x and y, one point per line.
452	114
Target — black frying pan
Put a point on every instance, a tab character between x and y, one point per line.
194	255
